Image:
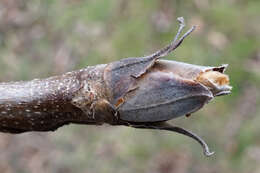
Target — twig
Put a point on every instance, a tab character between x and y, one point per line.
137	92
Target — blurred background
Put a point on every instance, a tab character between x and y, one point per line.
44	37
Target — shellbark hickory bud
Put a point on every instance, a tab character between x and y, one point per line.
143	92
168	90
148	91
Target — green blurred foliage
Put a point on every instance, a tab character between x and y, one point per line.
46	37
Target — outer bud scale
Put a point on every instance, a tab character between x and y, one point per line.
165	90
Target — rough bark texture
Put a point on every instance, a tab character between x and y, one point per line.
46	104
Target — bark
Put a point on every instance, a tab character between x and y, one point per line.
46	104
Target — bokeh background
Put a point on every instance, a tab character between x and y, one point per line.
40	38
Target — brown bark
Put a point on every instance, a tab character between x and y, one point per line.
46	104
